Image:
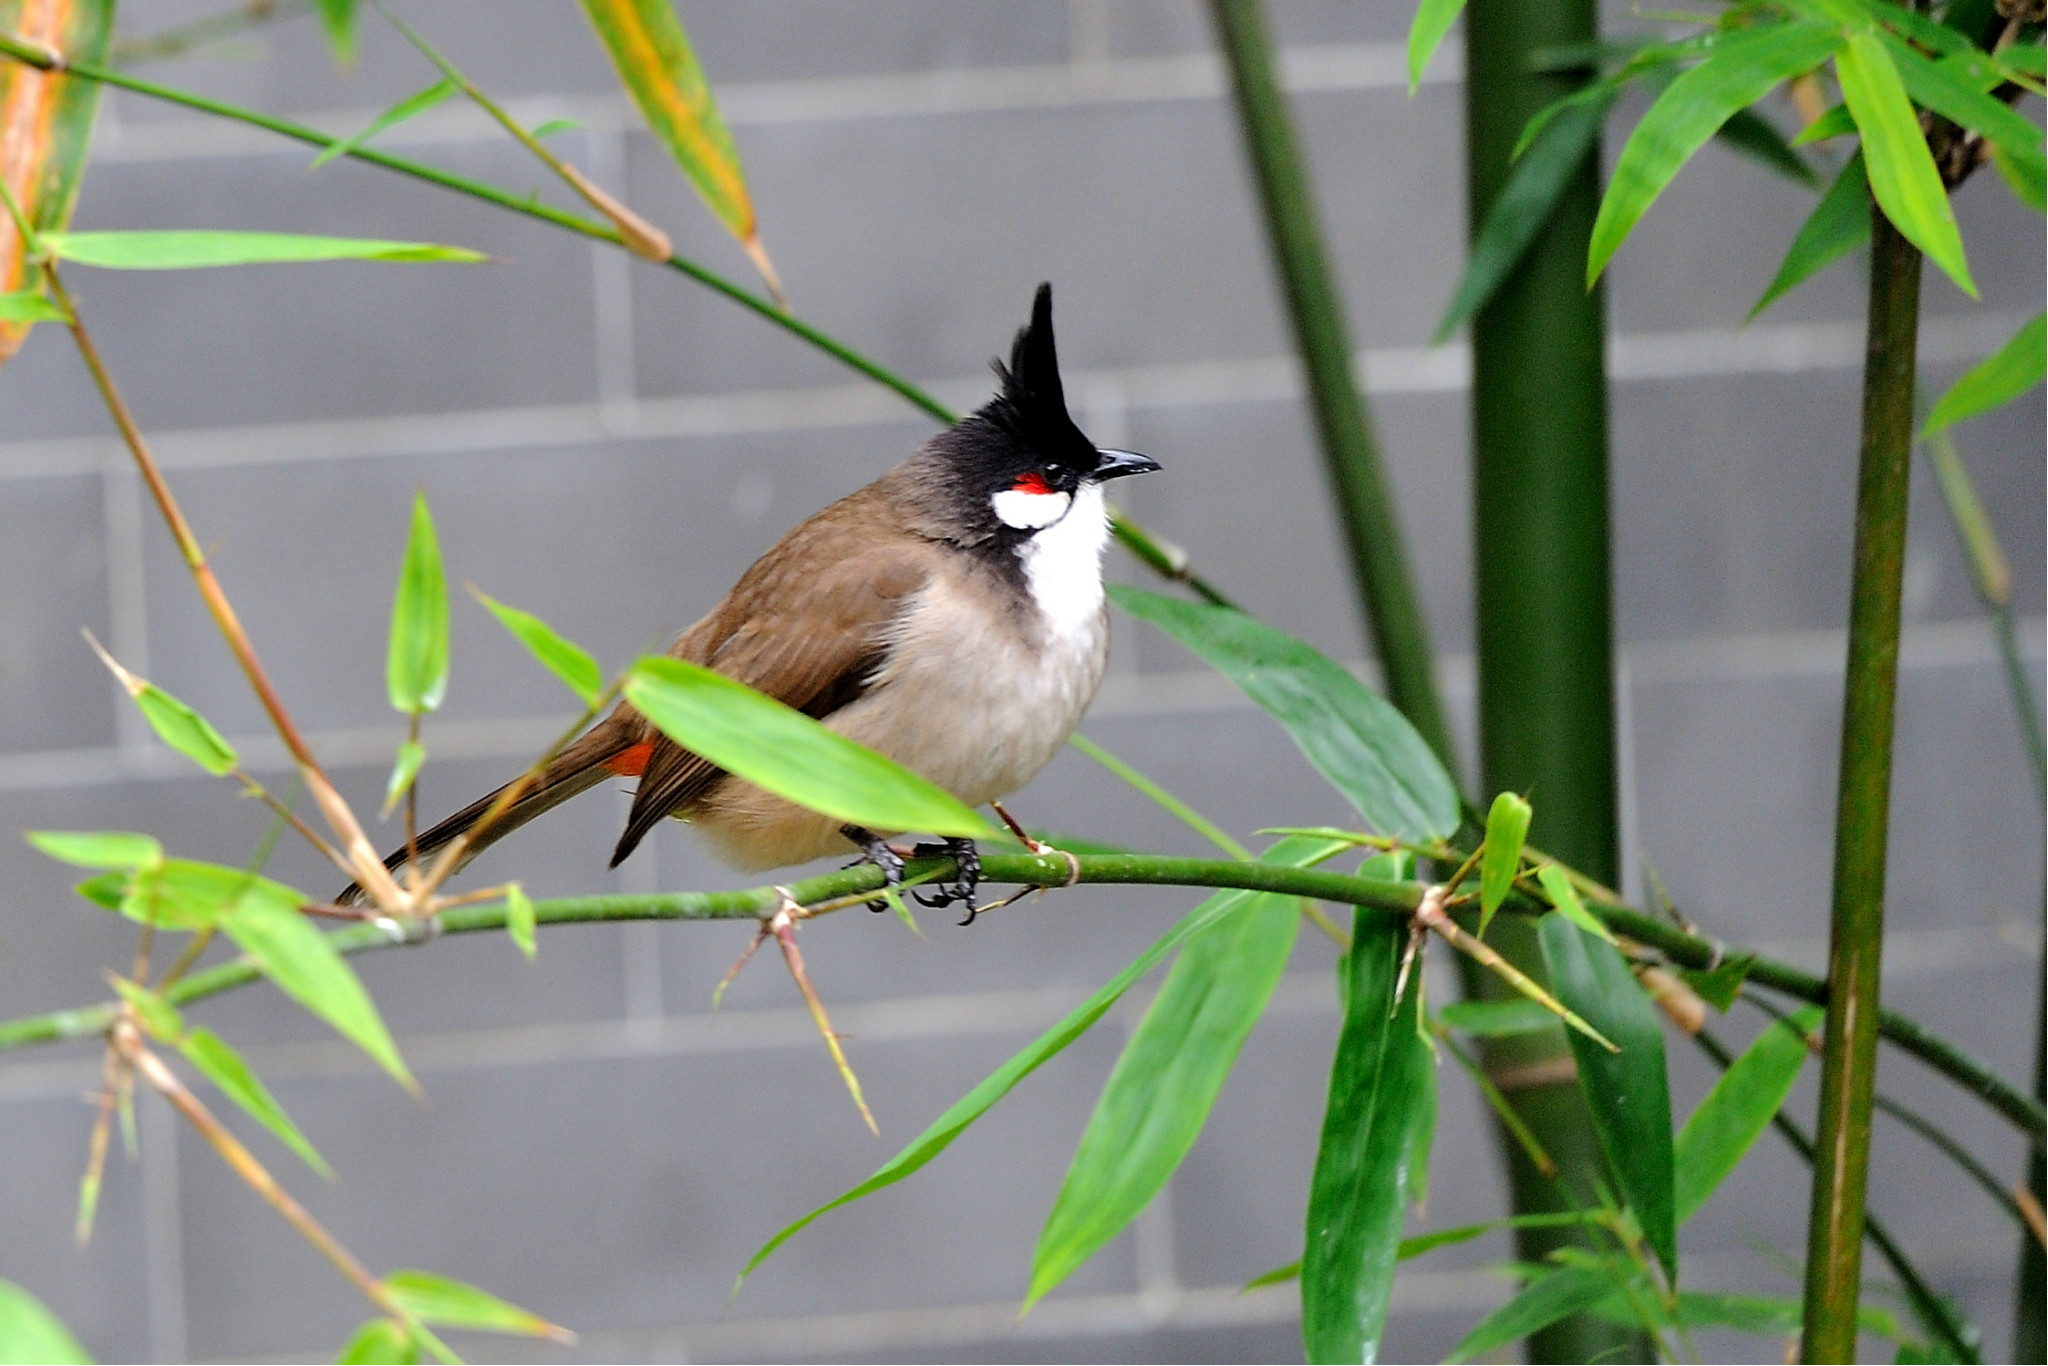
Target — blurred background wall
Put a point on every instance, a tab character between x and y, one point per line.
608	445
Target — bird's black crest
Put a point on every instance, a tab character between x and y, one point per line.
1033	405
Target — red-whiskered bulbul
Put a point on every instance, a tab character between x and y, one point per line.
950	615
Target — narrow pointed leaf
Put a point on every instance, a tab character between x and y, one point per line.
158	1016
31	1333
2012	370
186	731
1721	985
409	107
1541	1303
338	18
1507	826
45	129
1525	203
1433	19
2026	177
950	1125
265	923
789	754
1451	1237
452	1304
1728	1121
1757	138
1838	225
652	53
416	666
519	920
181	250
1358	1192
1835	123
27	306
565	659
1738	71
554	126
98	849
107	891
225	1068
1956	88
1902	174
1565	898
405	768
1497	1019
380	1342
1159	1095
1353	736
1627	1091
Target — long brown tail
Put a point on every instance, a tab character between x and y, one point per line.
580	767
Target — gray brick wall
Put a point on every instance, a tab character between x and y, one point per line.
595	1144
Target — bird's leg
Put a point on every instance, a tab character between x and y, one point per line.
966	875
878	851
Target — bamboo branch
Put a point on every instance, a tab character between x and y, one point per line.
1863	803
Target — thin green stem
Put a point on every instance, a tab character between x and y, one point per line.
1863	802
1166	558
1372	531
1180	810
1930	1309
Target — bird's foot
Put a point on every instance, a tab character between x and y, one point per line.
966	875
881	853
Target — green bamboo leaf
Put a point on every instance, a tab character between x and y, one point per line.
1357	1193
1565	898
452	1304
1769	1314
1739	1108
1158	1097
1838	225
1353	736
1451	1237
380	1342
27	306
1525	203
176	724
264	921
1738	71
30	1333
1422	1142
202	250
416	668
554	126
1835	123
409	107
950	1125
2027	178
1902	173
1541	1303
652	53
565	659
1956	88
1507	826
338	18
236	1080
789	754
2028	59
46	125
519	920
1433	19
1497	1019
1719	986
98	848
2012	370
1627	1090
405	767
158	1016
1757	138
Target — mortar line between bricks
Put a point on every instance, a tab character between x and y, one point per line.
1766	349
1775	656
1909	954
1329	68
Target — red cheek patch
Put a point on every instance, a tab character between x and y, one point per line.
1032	483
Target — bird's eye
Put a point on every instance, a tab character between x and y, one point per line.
1034	482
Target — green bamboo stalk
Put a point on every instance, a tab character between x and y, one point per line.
1160	555
1539	446
2030	1301
1372	531
1863	801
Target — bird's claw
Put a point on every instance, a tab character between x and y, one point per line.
966	876
878	851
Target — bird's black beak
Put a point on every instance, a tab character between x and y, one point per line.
1116	464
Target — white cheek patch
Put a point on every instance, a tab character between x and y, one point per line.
1030	511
